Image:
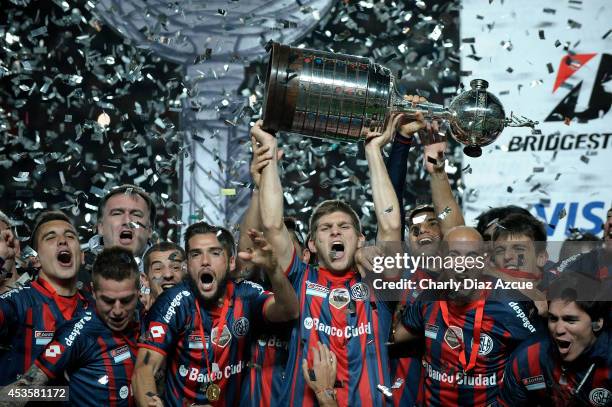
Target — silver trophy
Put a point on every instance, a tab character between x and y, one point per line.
336	96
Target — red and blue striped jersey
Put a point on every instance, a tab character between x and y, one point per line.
406	362
266	376
504	326
535	375
173	329
343	313
97	361
29	317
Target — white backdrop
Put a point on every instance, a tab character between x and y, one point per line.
564	175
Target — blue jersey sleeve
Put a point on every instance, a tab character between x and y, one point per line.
412	318
397	169
517	323
10	310
68	348
296	269
255	296
167	318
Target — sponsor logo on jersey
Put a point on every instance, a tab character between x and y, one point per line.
53	351
176	301
339	297
221	340
600	397
272	342
520	314
340	332
460	378
76	330
194	341
360	292
241	327
201	376
157	332
431	331
317	290
43	337
453	336
103	380
534	382
121	354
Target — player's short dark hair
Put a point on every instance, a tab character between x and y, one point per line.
46	217
292	227
418	210
331	206
570	286
223	235
160	247
128	189
519	224
115	263
498	213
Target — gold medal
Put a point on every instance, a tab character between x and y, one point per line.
213	391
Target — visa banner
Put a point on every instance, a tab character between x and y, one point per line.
550	62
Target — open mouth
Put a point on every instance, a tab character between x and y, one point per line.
564	346
207	279
64	257
167	285
425	240
126	236
337	250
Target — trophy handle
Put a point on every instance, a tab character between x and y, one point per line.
429	110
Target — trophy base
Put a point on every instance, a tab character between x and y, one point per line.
472	151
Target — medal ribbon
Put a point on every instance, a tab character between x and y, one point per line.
476	338
215	324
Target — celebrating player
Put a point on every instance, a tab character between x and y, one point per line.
572	365
163	265
468	338
96	351
336	307
202	326
30	315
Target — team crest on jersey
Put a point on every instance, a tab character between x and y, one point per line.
124	392
534	383
315	289
121	354
194	341
360	292
453	336
431	331
221	340
486	344
339	298
43	337
600	397
241	327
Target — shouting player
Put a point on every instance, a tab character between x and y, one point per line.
336	307
97	350
203	325
30	315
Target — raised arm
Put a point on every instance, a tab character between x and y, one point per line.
252	216
386	204
271	201
148	363
441	193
